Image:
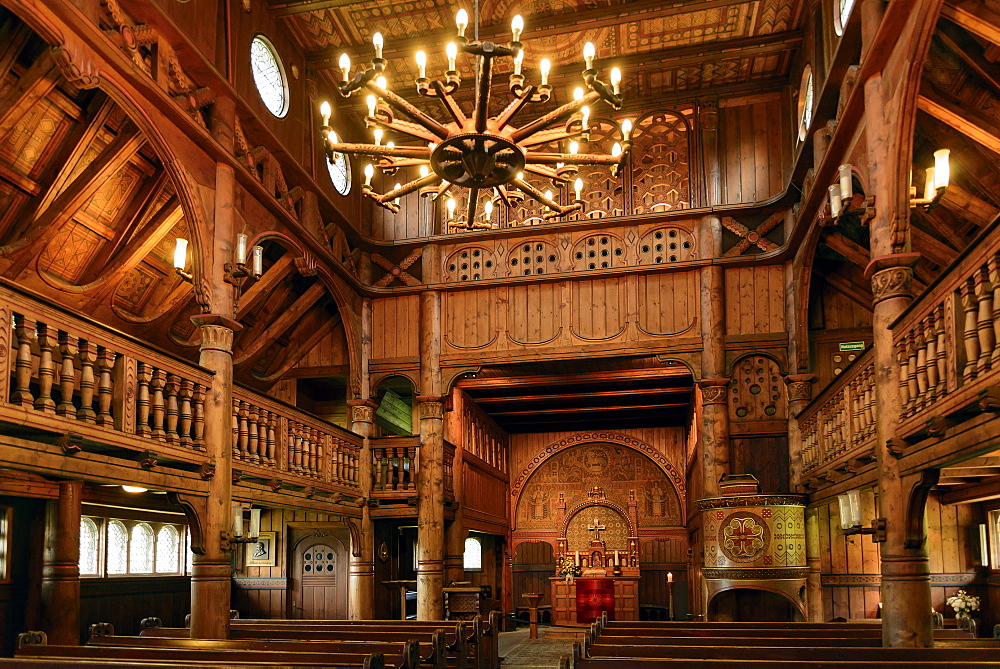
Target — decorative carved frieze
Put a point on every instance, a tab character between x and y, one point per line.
714	391
892	282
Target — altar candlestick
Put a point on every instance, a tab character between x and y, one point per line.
617	561
576	561
670	577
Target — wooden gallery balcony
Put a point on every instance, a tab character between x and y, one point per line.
395	470
77	399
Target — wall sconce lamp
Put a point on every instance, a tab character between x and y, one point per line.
842	194
236	273
237	536
850	517
936	181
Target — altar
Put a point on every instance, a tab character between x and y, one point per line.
599	539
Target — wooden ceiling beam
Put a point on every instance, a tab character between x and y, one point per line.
37	82
301	349
948	35
514	399
545	380
968	206
931	248
265	284
536	28
853	291
278	326
969	122
577	410
847	247
981	22
14	35
983	491
296	7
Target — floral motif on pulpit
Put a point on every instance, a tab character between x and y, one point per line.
744	536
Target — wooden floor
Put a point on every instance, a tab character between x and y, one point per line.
517	651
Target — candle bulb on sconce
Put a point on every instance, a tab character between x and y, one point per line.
257	261
930	189
180	254
345	67
835	201
846	183
325	111
451	50
544	68
421	65
378	43
616	80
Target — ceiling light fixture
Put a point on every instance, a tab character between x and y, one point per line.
480	152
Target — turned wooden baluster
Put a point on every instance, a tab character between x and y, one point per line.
930	342
46	369
105	388
235	429
984	323
262	443
316	456
243	434
144	373
87	354
253	433
903	362
295	460
970	331
994	269
308	451
158	407
870	402
184	429
413	471
911	368
921	347
24	332
942	351
172	408
67	375
272	443
321	454
198	429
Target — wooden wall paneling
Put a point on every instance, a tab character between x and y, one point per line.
533	565
535	313
667	303
825	561
596	308
395	327
755	139
755	301
469	318
870	563
838	563
761	121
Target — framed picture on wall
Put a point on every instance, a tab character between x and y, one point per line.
262	552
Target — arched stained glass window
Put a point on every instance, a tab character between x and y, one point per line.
140	552
805	102
269	75
167	550
117	548
89	547
842	10
473	553
340	172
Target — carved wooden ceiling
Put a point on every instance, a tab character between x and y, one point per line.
661	46
89	218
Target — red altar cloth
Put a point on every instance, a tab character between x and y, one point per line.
594	596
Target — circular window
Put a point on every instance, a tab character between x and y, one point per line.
340	172
842	12
269	76
805	102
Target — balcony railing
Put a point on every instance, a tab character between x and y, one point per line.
396	468
60	373
838	426
946	342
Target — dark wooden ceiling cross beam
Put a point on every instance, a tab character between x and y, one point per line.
950	36
975	18
302	348
263	287
970	122
518	398
932	248
14	35
496	382
261	341
968	206
593	409
847	247
850	289
37	82
82	189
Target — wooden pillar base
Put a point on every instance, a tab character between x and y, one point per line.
906	601
210	596
61	566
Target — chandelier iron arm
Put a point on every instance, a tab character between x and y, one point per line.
408	188
539	196
449	103
554	116
521	99
402	105
570	159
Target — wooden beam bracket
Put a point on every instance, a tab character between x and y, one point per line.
71	444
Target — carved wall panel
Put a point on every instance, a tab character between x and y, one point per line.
602	192
615	469
469	318
666	245
608	322
533	257
667	303
395	327
660	164
600	251
470	264
534	313
757	391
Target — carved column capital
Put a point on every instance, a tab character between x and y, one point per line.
362	411
799	387
714	391
216	331
892	275
708	109
430	406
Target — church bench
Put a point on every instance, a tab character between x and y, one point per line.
738	630
761	653
409	651
684	663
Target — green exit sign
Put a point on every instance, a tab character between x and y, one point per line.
852	346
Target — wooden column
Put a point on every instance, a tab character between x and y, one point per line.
430	483
454	554
799	395
61	566
814	586
361	570
210	572
906	593
715	412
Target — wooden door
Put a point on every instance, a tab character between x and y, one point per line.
320	579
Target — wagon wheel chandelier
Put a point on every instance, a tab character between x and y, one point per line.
480	153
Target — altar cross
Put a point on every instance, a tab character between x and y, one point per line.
596	529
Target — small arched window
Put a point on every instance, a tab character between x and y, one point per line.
167	550
269	75
117	548
89	547
189	555
473	558
340	172
140	553
842	12
805	103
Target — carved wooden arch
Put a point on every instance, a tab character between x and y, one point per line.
916	506
82	69
378	380
607	436
731	368
194	509
571	513
799	605
530	540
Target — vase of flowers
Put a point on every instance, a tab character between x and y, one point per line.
963	603
568	569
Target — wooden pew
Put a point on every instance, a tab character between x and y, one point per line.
875	655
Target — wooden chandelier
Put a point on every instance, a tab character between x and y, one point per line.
480	153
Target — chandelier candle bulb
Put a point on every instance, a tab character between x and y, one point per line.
585	120
574	147
670	577
545	67
616	80
626	129
578	187
345	66
462	21
589	52
577	93
257	261
325	111
930	187
488	210
372	102
241	249
516	27
518	61
424	171
548	195
452	52
450	205
942	168
835	201
378	43
180	253
397	187
421	65
616	150
846	183
378	136
369	173
382	83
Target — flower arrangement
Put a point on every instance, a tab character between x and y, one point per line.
568	568
963	603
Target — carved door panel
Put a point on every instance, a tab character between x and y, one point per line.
320	579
